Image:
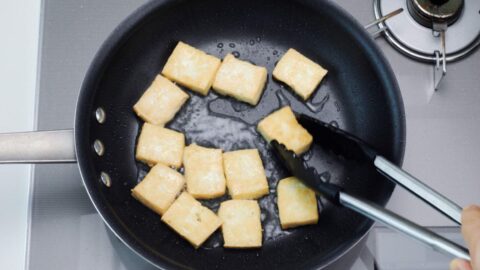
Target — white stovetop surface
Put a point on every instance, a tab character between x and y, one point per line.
19	27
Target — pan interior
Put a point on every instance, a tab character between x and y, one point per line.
358	94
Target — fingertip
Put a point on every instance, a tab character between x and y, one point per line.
458	264
471	207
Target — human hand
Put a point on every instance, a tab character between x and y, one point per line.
471	234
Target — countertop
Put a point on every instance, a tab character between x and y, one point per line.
19	26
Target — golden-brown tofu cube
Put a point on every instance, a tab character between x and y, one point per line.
241	226
300	73
297	203
159	188
245	174
204	171
162	100
282	126
240	79
160	145
192	68
191	220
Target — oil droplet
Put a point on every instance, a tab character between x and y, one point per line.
275	52
236	54
334	124
321	204
325	177
240	106
318	106
282	99
308	155
259	39
142	172
220	45
231	45
252	42
337	106
212	242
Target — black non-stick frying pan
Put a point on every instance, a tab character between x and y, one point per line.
359	94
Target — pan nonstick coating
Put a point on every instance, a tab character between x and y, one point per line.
359	95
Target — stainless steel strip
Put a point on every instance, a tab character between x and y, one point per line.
384	18
403	225
424	192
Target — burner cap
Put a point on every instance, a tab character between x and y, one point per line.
428	12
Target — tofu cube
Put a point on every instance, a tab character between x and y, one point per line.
159	188
191	220
240	79
192	68
162	100
160	145
297	203
241	226
282	126
204	172
300	73
245	174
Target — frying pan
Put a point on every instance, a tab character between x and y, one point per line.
359	94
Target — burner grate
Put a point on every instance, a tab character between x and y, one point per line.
429	34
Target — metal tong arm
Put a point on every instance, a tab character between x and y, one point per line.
403	225
420	189
351	147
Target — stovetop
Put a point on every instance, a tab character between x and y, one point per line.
65	232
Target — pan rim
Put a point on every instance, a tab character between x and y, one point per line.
109	46
120	35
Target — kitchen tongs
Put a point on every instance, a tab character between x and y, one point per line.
349	147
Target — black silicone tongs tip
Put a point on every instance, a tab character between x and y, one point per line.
308	175
337	140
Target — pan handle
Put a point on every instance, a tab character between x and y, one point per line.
56	146
420	189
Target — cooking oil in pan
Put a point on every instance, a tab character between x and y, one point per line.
282	99
317	107
222	122
213	128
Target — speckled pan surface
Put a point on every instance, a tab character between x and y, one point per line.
359	94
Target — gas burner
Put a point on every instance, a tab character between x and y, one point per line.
431	12
417	40
421	33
